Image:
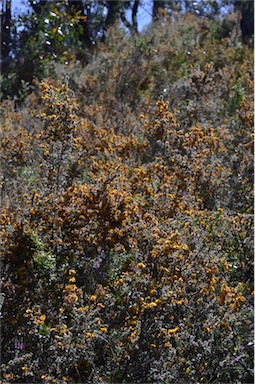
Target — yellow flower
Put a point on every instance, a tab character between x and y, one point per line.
178	302
92	297
132	336
80	309
70	288
173	331
89	335
72	297
42	317
152	292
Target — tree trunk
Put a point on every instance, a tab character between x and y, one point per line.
247	18
6	30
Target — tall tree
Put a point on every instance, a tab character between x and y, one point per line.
114	10
117	11
5	30
247	17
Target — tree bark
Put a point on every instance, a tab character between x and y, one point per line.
134	16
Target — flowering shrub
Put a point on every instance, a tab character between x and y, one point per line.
126	222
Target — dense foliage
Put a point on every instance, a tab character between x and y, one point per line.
127	213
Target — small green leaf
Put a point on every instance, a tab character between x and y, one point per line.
44	331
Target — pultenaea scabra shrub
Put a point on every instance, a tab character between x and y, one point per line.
126	221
